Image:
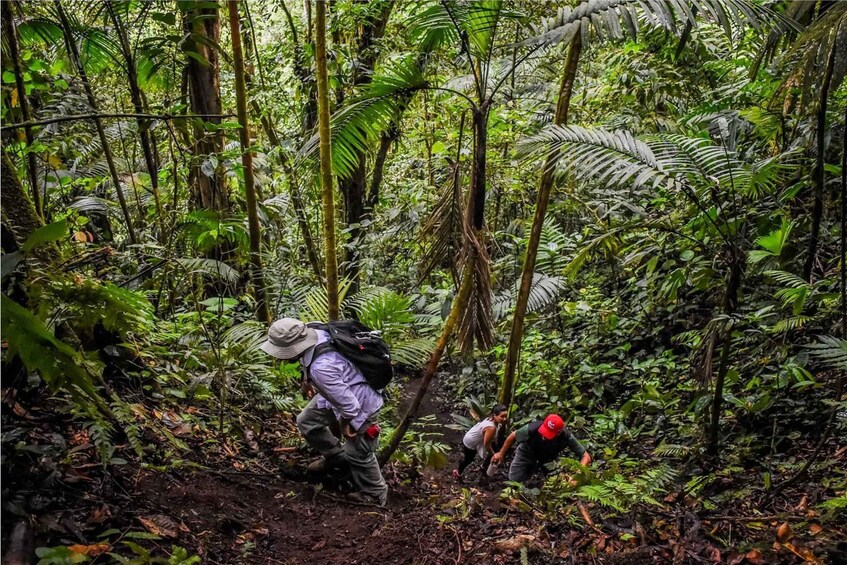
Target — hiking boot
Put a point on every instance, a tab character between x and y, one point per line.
361	498
327	463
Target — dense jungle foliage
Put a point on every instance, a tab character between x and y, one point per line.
629	212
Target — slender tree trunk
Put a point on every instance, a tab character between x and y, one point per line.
147	143
547	177
817	210
386	139
839	383
733	285
459	304
476	204
327	189
92	101
247	165
11	32
300	213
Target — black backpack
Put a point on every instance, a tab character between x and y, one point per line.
361	346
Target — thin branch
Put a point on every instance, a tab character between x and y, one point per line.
75	117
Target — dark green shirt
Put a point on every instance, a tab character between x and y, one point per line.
522	435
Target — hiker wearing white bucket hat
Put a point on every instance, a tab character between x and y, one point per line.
344	395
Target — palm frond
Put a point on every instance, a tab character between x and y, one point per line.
247	335
791	323
371	113
316	306
610	157
551	248
384	310
605	240
209	268
787	279
831	351
619	18
442	232
544	291
476	323
93	205
412	352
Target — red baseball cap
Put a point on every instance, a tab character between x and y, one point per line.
551	426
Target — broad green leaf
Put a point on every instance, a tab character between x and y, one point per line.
46	234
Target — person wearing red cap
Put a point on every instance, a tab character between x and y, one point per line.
539	442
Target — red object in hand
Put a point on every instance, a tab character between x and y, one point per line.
373	431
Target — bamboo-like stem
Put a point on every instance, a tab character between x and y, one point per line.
247	165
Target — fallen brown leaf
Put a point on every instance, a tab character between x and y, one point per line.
714	554
803	553
513	544
161	525
815	529
784	533
90	550
755	557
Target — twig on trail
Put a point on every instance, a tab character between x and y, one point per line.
586	516
782	517
458	545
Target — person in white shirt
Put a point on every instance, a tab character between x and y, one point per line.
479	440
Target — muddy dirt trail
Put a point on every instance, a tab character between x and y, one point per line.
230	516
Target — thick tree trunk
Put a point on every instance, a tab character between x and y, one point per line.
204	87
247	166
19	213
458	306
327	189
147	143
11	33
353	189
98	123
561	118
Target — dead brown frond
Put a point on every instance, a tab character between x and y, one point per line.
442	231
476	323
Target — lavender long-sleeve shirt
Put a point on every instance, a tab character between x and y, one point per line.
341	386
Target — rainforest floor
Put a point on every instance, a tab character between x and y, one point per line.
250	501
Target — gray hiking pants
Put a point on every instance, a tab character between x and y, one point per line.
523	465
314	422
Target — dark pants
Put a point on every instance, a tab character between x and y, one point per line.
523	465
470	455
314	423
